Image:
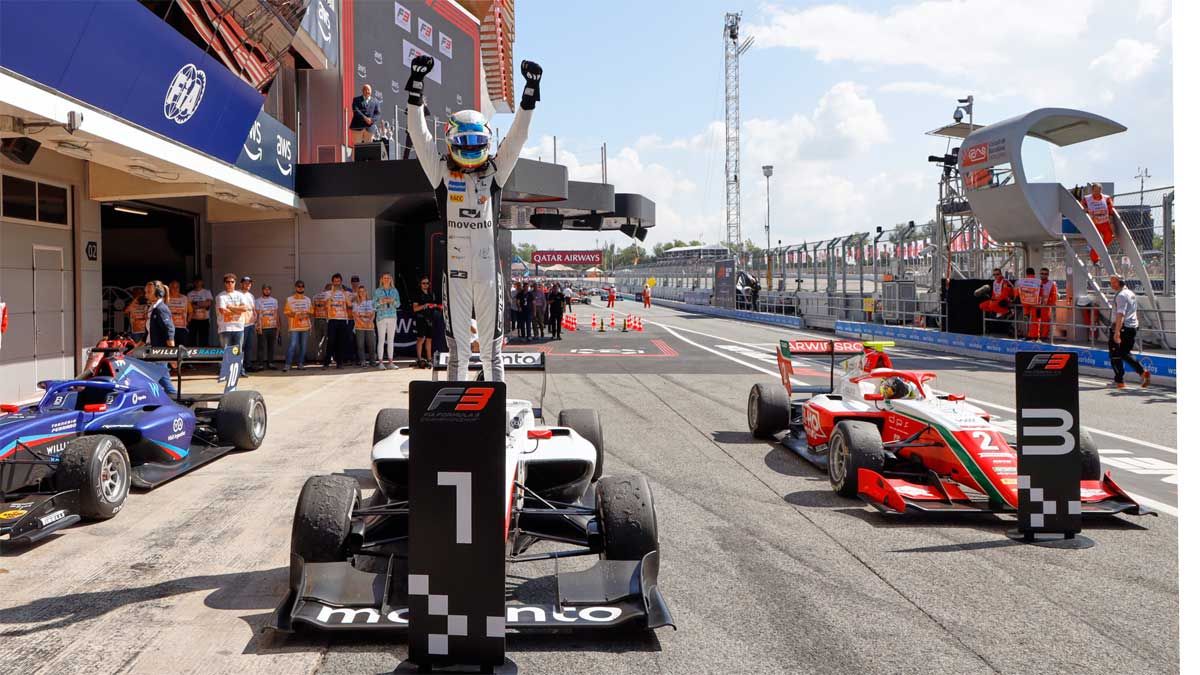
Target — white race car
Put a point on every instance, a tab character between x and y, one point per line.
556	492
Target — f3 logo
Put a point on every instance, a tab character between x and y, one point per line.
1056	361
469	399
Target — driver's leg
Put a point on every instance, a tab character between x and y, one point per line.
489	307
458	327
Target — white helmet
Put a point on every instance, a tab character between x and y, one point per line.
469	138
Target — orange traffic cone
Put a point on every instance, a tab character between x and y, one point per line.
593	322
612	320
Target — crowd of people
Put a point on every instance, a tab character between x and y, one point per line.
349	325
537	308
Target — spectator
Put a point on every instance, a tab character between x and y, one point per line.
527	311
250	339
180	308
201	300
554	302
161	327
539	310
425	312
387	301
231	313
364	326
514	306
267	309
340	305
137	311
320	303
364	115
298	308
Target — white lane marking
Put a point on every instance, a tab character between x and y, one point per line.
988	404
1112	451
748	353
1152	503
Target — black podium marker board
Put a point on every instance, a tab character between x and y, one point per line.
456	487
1049	463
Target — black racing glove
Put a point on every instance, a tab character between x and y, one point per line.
421	65
533	81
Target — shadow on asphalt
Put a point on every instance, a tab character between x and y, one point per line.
734	437
785	462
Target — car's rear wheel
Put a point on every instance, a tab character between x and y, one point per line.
1092	470
321	527
241	419
387	421
98	467
768	410
853	445
628	523
586	423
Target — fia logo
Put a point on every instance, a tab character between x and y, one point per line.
184	94
177	425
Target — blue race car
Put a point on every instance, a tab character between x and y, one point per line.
74	454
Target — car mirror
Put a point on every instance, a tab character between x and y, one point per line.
9	408
95	407
873	397
956	397
540	434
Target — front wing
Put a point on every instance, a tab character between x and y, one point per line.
611	594
32	517
892	494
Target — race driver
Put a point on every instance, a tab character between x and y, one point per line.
468	183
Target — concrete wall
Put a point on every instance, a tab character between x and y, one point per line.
342	245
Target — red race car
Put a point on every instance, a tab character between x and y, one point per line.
886	436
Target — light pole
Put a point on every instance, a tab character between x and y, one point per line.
767	171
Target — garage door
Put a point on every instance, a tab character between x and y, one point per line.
266	250
49	313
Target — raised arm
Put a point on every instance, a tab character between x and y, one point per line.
510	148
418	132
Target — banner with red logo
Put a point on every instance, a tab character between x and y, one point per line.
568	257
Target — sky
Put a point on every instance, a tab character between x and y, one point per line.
836	96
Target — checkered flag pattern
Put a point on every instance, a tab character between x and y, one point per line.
1037	499
456	624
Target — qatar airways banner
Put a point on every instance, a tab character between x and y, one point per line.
567	257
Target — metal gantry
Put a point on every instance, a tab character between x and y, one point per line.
734	48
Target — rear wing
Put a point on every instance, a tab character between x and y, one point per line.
791	349
230	359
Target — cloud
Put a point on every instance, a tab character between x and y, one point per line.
1126	60
844	123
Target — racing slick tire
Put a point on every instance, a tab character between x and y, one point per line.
387	421
1090	456
98	467
586	423
853	445
321	527
768	410
241	419
628	523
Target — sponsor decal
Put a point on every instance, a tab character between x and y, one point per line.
378	57
567	257
458	274
21	505
483	199
456	198
1048	362
184	94
361	70
445	45
913	491
255	139
403	16
137	398
69	425
425	31
283	154
456	185
395	87
12	514
516	614
457	175
177	425
52	517
468	213
822	346
976	154
470	225
324	21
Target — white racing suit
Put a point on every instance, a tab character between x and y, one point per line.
474	279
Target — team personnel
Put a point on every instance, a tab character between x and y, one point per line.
646	296
137	312
1002	293
298	309
568	297
249	328
468	183
424	309
201	300
232	311
1027	290
555	301
1039	328
1124	330
320	328
364	327
339	305
267	309
159	324
1100	207
612	296
181	309
387	301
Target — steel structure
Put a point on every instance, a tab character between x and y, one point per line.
734	49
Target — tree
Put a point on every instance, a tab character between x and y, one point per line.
524	251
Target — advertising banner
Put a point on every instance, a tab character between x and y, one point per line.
269	151
387	35
321	23
724	284
118	56
457	500
1049	464
588	258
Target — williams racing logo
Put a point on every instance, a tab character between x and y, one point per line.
458	403
184	94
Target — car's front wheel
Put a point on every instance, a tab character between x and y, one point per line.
586	423
628	523
768	409
98	467
241	419
853	445
387	421
321	527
